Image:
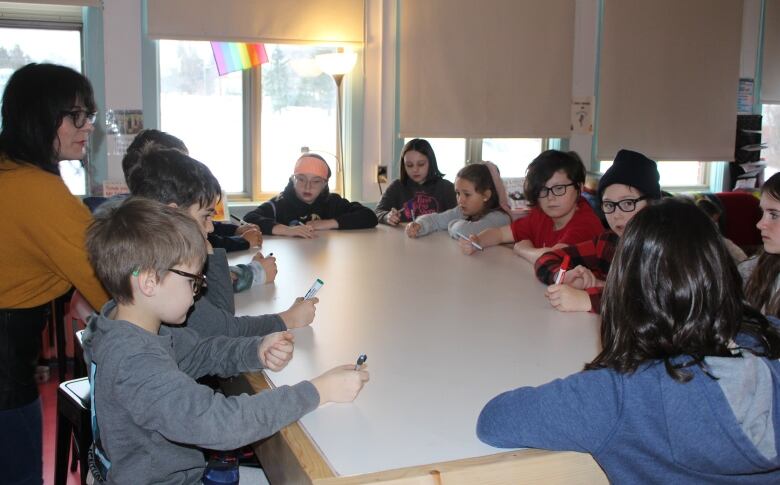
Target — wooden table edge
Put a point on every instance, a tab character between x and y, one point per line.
290	456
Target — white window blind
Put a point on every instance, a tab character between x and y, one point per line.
51	11
270	21
486	68
770	77
669	73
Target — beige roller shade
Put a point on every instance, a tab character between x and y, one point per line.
271	21
770	77
486	68
67	11
76	3
668	79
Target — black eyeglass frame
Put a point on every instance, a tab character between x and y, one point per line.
83	115
619	205
546	190
198	280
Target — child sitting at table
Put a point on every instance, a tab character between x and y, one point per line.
150	414
559	214
627	187
421	188
482	204
307	206
685	389
761	273
173	178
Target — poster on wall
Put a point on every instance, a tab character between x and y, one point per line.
582	115
121	127
745	96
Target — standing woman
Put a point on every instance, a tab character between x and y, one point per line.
762	273
48	113
421	189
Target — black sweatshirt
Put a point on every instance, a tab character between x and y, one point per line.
287	208
433	196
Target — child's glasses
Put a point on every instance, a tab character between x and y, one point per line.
314	182
81	116
198	280
625	205
557	190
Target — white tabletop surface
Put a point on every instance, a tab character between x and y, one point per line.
443	332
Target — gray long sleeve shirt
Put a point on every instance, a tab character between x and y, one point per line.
151	413
455	222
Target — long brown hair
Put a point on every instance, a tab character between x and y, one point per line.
760	287
673	294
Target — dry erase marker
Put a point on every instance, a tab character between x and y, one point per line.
562	270
360	361
314	289
240	221
469	240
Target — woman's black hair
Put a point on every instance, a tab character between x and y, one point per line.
760	287
673	294
35	101
425	148
545	165
479	175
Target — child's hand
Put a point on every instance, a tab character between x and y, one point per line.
340	384
301	313
466	247
567	299
580	278
240	230
323	224
253	236
412	229
306	232
393	217
276	350
268	264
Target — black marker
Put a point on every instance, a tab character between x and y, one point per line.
240	221
360	361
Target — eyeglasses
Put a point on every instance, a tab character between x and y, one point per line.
198	280
314	182
81	116
625	205
557	190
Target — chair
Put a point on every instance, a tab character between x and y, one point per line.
78	313
73	417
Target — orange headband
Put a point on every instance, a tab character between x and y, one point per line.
311	166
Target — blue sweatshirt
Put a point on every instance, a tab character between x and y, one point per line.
647	428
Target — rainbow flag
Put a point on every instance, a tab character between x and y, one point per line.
235	56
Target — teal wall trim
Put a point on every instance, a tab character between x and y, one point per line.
594	162
759	61
94	69
353	124
150	74
398	142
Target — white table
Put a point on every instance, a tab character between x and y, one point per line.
443	332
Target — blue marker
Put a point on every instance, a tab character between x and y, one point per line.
360	361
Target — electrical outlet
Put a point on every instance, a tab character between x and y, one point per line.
381	174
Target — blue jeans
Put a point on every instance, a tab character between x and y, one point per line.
21	445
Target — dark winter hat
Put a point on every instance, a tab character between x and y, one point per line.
634	169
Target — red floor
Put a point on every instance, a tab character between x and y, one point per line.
49	401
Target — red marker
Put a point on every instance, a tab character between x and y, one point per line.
562	270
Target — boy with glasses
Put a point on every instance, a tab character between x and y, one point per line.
625	189
152	414
559	214
306	205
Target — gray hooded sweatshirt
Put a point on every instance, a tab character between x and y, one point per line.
153	416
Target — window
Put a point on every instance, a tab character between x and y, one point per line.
512	155
216	116
770	134
55	43
679	176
